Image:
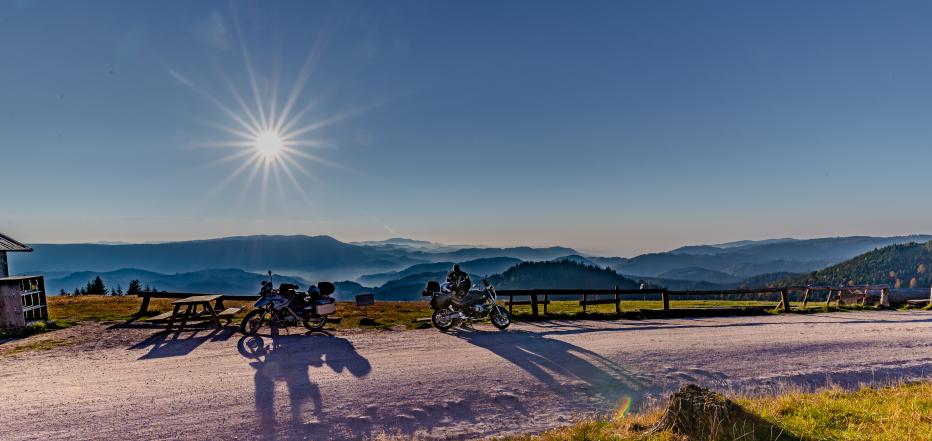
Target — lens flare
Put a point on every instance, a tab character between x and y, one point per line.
624	407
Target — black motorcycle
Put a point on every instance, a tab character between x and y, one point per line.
286	306
451	308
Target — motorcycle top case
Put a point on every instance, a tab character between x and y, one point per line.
326	308
326	288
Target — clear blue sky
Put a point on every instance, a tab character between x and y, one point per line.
614	127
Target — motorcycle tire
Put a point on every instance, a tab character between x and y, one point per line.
252	322
315	323
440	324
500	318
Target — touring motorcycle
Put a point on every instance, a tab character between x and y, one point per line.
476	305
286	306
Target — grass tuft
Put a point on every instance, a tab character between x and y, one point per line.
41	345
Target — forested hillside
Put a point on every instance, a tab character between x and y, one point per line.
900	266
563	274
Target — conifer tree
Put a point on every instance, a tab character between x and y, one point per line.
135	287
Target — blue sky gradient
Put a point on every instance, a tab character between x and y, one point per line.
613	127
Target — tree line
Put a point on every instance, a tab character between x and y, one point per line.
98	287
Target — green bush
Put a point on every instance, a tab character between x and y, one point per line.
33	328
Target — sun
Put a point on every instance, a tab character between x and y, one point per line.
274	140
269	145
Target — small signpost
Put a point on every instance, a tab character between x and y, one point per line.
364	301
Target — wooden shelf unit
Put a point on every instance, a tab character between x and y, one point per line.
22	301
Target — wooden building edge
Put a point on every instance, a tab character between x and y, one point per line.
22	298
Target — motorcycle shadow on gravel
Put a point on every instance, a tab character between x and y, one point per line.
569	371
288	359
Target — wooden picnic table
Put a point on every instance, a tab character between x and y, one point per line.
192	303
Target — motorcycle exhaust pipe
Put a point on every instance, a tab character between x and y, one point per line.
457	315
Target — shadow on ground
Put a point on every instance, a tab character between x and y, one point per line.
570	371
287	360
178	343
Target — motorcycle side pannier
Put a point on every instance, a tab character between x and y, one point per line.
325	309
432	287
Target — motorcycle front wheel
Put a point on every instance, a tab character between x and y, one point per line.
315	323
500	318
441	319
252	322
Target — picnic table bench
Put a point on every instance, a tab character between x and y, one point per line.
210	305
192	303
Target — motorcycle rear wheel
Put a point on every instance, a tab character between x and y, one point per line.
441	319
315	323
252	322
500	318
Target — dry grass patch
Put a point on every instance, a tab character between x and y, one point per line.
902	412
895	413
384	315
40	345
68	309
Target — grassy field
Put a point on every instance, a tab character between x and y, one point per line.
65	311
898	413
572	308
68	310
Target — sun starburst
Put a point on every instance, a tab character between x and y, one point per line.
269	145
273	142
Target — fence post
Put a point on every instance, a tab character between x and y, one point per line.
534	304
144	307
584	303
546	303
885	297
785	299
617	302
828	301
511	301
805	298
666	300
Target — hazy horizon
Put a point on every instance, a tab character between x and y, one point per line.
465	245
612	128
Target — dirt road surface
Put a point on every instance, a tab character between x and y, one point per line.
107	384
